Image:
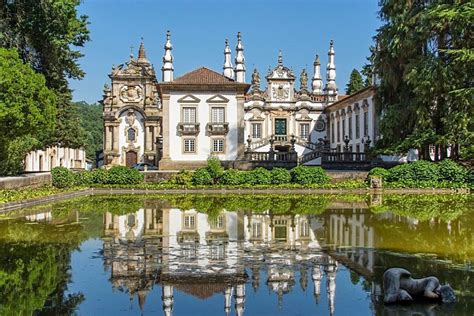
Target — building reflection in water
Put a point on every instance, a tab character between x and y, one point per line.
203	255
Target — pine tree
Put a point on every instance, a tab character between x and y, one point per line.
355	82
424	60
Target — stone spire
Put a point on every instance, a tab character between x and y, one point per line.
331	89
331	269
167	298
228	300
317	276
239	60
280	58
239	297
142	53
317	82
228	68
168	68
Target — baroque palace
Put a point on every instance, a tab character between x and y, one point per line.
177	123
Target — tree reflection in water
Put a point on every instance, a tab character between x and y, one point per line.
196	247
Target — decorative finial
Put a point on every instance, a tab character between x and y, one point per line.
226	41
280	58
331	43
239	36
141	52
168	34
131	51
317	61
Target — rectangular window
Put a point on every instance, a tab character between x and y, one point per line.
343	128
257	130
366	123
304	229
304	131
218	145
189	221
338	131
217	223
332	132
357	125
189	145
256	230
350	126
189	115
217	115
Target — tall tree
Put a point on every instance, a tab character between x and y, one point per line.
91	122
27	111
425	61
355	82
46	33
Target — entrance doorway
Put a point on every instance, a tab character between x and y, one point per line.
280	126
131	158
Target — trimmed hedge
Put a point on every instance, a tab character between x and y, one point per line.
65	178
426	174
309	175
202	177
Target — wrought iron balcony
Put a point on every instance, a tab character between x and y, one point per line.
217	128
188	129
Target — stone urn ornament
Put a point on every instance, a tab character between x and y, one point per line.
399	286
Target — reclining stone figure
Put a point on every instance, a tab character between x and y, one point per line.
399	286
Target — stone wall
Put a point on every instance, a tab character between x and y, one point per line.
27	180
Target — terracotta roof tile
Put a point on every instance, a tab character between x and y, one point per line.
203	75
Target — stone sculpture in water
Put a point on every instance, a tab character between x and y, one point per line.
399	286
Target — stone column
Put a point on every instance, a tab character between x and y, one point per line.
239	299
165	128
168	300
240	124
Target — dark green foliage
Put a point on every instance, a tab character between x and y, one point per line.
214	168
379	172
182	177
91	121
83	178
451	171
355	82
259	176
99	176
27	111
123	175
232	177
425	63
62	177
280	176
309	175
202	177
415	171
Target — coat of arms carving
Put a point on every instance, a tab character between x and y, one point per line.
280	92
131	94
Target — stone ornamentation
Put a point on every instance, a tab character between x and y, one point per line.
304	80
320	125
130	119
255	81
399	286
131	94
280	92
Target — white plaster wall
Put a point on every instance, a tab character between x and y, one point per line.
140	139
203	141
137	230
51	157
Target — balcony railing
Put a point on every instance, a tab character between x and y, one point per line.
217	128
345	157
271	156
188	129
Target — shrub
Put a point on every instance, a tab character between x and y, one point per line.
202	177
309	175
451	171
415	171
62	177
233	177
259	176
280	176
83	178
123	175
379	172
182	177
99	176
214	168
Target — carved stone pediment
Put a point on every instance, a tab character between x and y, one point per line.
131	93
133	68
281	72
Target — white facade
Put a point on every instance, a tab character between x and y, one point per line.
354	119
45	160
203	104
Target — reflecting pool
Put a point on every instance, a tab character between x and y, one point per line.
233	255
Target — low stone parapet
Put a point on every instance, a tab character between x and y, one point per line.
31	180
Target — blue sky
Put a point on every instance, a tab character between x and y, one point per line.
300	28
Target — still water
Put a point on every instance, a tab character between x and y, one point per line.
233	255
